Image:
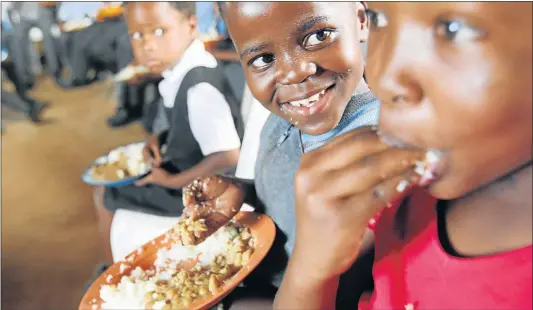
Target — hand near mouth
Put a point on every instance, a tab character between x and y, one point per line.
425	168
339	189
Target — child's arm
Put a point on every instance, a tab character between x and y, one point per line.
210	165
213	128
300	292
339	188
152	146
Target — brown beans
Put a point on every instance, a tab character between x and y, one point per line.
187	286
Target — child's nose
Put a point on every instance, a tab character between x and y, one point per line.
149	44
394	72
400	88
291	71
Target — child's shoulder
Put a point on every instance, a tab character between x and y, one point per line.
411	254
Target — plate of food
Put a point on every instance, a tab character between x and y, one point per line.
169	274
130	72
120	167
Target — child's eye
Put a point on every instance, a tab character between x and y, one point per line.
136	36
319	37
457	31
159	32
376	19
262	61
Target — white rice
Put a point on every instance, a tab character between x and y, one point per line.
205	251
129	72
136	164
130	291
135	159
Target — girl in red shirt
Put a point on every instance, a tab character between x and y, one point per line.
451	77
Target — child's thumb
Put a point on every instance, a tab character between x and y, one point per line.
143	181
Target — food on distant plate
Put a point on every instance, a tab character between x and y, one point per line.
76	25
130	72
182	274
120	164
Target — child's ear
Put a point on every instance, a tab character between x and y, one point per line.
193	22
360	10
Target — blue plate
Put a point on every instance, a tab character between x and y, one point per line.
87	178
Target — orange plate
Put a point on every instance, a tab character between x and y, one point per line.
261	227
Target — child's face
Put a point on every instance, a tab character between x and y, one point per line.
159	33
456	77
297	50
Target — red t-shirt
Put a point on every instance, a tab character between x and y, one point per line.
415	272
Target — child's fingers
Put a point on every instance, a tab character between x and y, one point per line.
345	149
230	202
368	205
156	155
146	180
213	186
372	170
214	193
147	153
151	155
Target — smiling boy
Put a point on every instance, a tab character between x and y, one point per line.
302	62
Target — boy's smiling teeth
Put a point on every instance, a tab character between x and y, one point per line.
307	102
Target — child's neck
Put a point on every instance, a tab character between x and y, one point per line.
180	57
513	190
494	219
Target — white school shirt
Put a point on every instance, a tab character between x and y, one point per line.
209	113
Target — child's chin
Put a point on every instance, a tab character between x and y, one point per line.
156	68
446	189
315	128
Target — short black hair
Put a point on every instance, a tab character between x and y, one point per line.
220	5
187	8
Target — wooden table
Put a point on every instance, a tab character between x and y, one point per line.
223	55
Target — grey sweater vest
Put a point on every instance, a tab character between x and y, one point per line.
183	151
279	157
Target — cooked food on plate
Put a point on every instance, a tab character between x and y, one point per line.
121	163
130	72
181	274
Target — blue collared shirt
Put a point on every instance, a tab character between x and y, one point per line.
363	110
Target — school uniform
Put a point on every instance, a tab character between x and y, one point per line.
93	47
51	38
281	148
19	44
198	116
12	71
134	101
